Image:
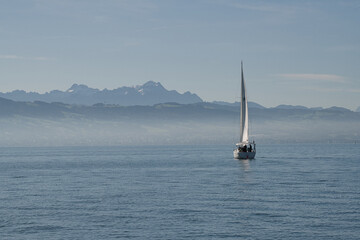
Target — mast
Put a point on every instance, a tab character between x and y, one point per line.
244	121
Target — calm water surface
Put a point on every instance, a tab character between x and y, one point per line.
180	192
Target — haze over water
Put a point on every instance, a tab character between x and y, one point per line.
180	192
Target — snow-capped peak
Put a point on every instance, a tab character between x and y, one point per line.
81	88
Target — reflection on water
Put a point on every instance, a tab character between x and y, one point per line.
245	164
244	171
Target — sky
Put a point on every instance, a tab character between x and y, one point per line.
294	52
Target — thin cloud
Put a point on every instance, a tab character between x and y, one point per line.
311	76
326	90
13	57
17	57
330	90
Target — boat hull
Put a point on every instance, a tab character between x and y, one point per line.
243	155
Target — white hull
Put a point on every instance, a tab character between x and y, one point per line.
243	155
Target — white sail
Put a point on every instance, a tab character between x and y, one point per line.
244	118
244	149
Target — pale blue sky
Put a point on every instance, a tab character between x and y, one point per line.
294	52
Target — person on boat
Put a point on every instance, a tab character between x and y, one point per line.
250	148
239	148
245	148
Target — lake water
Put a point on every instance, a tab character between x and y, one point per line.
180	192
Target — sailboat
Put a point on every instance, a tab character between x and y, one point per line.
244	149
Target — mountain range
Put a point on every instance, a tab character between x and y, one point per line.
150	114
175	111
40	123
149	93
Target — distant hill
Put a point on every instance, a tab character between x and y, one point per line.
147	94
237	104
197	111
283	106
55	124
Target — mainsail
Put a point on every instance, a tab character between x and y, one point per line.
244	119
